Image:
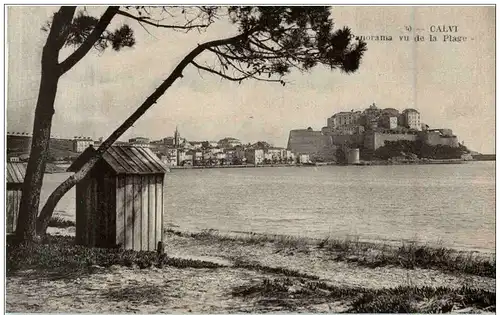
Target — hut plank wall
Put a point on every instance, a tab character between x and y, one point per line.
121	202
10	212
129	212
13	200
152	212
145	213
90	206
14	175
106	219
159	209
81	215
139	212
137	204
120	211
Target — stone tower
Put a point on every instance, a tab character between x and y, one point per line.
176	138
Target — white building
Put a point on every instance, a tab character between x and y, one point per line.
221	158
343	118
171	157
80	144
304	158
139	142
254	156
412	119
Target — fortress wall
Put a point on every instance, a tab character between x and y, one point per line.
311	142
375	140
434	138
348	139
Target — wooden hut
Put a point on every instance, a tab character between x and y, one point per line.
15	179
120	202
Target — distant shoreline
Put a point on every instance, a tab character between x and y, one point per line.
55	169
362	163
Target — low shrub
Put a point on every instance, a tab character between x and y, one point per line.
403	299
60	222
409	255
59	253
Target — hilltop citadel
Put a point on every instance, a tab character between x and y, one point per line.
367	131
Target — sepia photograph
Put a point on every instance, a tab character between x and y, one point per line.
250	159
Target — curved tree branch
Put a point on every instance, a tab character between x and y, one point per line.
89	42
68	12
220	73
146	20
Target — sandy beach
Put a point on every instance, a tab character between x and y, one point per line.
236	280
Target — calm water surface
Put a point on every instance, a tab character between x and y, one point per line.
452	205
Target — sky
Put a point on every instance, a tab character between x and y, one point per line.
452	84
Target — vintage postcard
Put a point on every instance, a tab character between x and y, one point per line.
228	159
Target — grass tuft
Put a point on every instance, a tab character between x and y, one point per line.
295	293
409	255
412	255
61	254
60	222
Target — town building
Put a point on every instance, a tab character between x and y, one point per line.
277	155
388	122
344	118
390	112
195	145
210	144
412	119
181	157
169	141
171	157
229	143
289	157
82	143
215	150
304	158
197	157
371	114
188	160
140	142
236	155
221	158
254	156
268	158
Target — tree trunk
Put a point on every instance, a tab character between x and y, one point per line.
50	74
61	190
28	209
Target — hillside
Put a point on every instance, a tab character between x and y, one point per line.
484	157
59	149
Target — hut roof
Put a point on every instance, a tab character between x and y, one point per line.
15	172
125	160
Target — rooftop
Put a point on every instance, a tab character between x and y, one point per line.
15	172
125	160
